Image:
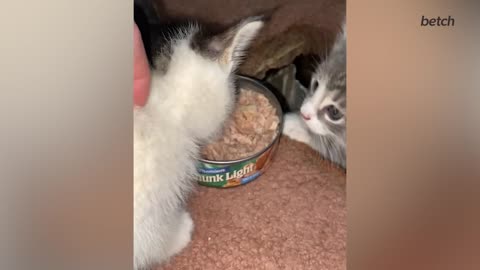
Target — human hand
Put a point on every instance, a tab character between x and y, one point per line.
141	70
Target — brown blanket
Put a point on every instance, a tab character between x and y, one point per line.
292	217
295	27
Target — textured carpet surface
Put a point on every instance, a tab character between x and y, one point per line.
292	217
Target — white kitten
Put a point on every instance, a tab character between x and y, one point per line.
192	93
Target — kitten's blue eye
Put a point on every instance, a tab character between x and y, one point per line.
333	113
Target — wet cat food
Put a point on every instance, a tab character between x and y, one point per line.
252	127
248	141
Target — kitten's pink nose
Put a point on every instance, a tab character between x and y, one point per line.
306	116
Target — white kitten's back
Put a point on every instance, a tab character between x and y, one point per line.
191	95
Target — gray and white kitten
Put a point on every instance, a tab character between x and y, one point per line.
192	93
321	121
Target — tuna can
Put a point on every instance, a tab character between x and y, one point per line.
231	173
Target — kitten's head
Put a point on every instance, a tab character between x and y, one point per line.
195	67
324	108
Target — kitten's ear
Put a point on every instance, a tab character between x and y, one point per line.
231	45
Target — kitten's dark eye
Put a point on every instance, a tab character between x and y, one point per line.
333	113
314	85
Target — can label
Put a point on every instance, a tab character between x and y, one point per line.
235	174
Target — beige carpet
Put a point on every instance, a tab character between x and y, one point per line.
292	217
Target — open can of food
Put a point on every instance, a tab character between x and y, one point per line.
250	139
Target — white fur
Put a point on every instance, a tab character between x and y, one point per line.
294	127
248	30
187	105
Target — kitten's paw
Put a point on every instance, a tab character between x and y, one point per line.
184	233
294	128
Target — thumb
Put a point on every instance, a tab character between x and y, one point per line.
141	78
